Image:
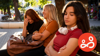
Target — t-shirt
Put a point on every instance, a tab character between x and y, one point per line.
52	27
34	26
61	40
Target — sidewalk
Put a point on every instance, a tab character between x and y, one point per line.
5	34
94	22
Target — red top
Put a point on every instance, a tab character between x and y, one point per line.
61	39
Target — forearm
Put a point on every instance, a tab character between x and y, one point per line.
35	43
47	51
24	33
52	51
34	47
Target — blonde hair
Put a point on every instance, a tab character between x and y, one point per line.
53	15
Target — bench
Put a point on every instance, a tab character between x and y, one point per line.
82	53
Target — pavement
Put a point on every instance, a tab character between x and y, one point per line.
94	22
6	33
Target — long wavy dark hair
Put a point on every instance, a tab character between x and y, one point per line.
80	13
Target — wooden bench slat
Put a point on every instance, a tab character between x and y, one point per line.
82	53
97	47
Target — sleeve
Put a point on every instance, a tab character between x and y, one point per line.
52	27
76	34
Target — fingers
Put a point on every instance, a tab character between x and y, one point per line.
63	47
37	35
25	22
35	32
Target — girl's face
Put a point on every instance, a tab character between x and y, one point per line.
29	19
70	17
45	13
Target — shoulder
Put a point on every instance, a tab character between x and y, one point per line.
76	33
53	23
40	21
52	26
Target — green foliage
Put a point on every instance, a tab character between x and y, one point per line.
34	2
97	28
27	4
6	3
43	2
31	2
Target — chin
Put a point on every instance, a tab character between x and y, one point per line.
30	22
67	24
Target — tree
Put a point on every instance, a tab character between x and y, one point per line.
17	13
31	2
6	5
43	2
34	2
59	6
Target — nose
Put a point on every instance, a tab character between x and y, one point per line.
43	12
66	16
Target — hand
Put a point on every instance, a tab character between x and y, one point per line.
36	36
62	48
25	22
47	51
35	32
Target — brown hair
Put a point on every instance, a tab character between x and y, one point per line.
34	16
80	13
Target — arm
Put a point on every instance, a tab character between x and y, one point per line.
68	50
47	47
50	29
24	33
42	36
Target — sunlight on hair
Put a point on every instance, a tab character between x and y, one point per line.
2	33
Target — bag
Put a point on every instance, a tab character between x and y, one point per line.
29	37
16	45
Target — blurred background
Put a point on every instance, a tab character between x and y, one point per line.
15	9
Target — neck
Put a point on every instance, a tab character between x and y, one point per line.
69	26
48	20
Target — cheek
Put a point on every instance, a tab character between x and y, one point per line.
64	18
73	20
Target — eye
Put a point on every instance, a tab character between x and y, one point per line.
71	15
65	13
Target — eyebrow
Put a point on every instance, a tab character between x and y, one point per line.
69	12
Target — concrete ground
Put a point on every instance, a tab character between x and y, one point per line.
5	35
